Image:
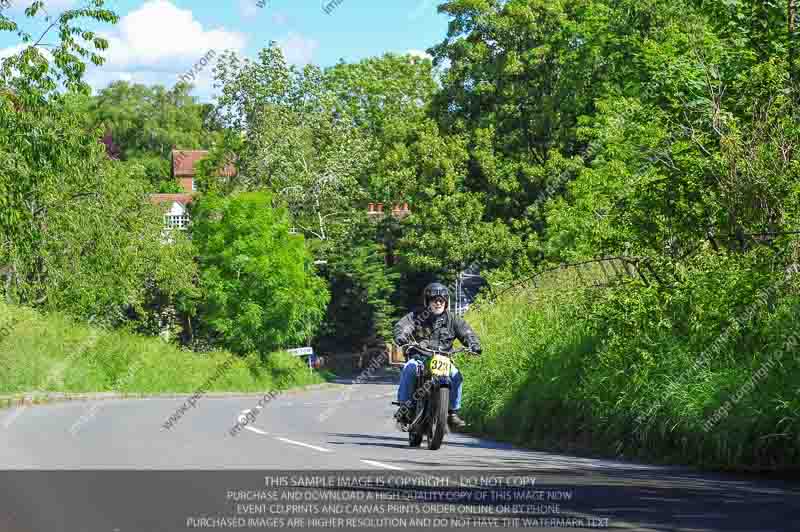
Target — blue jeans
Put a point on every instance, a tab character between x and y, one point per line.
409	375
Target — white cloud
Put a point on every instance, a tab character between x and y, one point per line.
11	50
161	37
298	50
420	54
156	44
159	42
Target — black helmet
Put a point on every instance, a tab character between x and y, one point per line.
434	290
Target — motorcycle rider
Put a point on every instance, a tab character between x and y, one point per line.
433	327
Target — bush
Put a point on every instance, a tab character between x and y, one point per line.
55	354
260	290
639	372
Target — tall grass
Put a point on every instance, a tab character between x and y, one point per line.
613	371
53	354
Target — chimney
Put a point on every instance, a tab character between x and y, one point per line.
405	206
380	207
371	207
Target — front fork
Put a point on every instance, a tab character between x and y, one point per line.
424	394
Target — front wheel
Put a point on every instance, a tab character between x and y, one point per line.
414	439
439	410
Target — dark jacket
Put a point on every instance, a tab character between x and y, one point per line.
440	331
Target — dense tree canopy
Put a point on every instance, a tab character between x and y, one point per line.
539	131
260	293
76	231
147	123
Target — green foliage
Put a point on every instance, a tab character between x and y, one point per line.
521	73
297	145
674	160
77	237
147	123
446	233
104	254
377	91
55	354
77	232
29	75
599	128
563	370
361	290
260	289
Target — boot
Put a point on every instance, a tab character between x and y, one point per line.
454	421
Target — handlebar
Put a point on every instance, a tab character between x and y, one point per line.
418	347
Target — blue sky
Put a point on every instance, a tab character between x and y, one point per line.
156	41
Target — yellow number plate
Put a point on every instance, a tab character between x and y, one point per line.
440	366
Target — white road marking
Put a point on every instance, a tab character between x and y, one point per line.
379	464
257	431
305	445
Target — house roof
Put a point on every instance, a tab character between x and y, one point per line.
11	94
184	162
183	199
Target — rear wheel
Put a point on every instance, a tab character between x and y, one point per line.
440	401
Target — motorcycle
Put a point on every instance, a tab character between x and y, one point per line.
431	395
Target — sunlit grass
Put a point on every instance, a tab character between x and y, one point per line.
52	354
613	370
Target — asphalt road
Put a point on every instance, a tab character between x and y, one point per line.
348	428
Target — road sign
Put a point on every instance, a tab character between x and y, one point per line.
301	351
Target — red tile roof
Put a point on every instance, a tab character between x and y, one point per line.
184	162
183	199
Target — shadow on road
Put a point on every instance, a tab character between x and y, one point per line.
403	441
359	378
648	500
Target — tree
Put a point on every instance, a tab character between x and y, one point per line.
361	291
260	292
706	146
377	91
148	122
294	142
76	231
447	234
28	83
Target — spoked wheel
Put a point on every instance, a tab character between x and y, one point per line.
438	427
